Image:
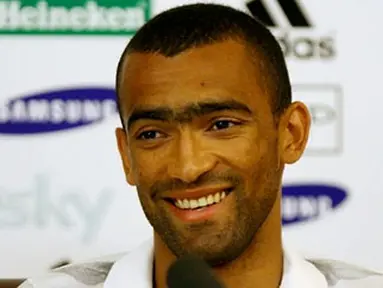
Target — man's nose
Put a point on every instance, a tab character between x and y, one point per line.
192	159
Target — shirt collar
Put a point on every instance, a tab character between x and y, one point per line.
300	273
137	267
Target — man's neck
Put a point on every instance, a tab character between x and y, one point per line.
261	265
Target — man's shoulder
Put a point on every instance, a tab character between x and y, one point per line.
97	272
91	273
341	274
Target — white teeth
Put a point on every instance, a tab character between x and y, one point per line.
179	203
210	199
193	204
217	197
201	202
186	204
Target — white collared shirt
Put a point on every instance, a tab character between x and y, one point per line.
142	260
134	269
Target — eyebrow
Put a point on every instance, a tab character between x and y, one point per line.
187	113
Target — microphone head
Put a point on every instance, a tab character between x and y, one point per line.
191	272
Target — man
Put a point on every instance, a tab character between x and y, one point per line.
208	125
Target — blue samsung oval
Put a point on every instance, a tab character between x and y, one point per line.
303	202
57	110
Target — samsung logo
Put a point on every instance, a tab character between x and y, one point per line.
305	202
57	110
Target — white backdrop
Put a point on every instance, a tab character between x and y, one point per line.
62	190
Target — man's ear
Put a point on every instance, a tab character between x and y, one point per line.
294	128
122	143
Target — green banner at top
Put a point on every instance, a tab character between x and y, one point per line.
71	17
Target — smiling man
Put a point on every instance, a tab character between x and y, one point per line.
208	125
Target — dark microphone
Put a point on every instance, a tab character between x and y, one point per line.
191	272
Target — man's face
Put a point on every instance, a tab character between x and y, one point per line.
202	147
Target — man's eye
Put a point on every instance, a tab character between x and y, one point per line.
222	124
149	135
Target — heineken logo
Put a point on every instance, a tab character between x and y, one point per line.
73	16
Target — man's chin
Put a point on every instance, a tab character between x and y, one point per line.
207	240
214	258
213	253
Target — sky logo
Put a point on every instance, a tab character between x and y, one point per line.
301	203
57	110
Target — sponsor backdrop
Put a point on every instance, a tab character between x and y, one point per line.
62	192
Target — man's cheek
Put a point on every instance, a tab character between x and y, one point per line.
146	167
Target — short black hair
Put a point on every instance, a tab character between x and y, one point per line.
189	26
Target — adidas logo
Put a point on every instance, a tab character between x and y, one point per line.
294	29
291	10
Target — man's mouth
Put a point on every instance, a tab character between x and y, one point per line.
188	203
200	204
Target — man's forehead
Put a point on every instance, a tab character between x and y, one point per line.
213	58
193	75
